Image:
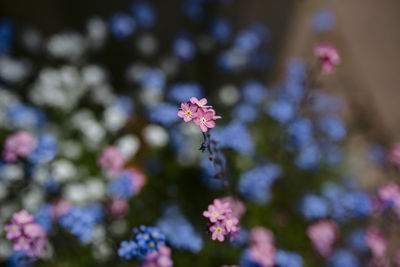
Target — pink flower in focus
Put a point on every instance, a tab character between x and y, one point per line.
111	159
204	119
22	217
200	103
13	231
329	57
18	144
187	111
218	232
394	154
230	223
376	243
118	207
322	234
214	214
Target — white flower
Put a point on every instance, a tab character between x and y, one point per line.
128	145
155	135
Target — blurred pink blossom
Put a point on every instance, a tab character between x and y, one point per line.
18	144
394	154
328	56
111	159
323	234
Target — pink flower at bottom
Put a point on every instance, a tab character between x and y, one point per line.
22	243
231	224
263	254
187	112
204	119
322	234
160	258
218	232
329	57
376	242
111	159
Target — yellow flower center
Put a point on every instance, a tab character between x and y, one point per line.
151	244
188	113
229	222
214	214
219	230
14	228
203	120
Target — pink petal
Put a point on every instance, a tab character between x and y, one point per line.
181	114
210	124
203	128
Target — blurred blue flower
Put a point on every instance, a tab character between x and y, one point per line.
209	171
125	104
254	92
20	258
127	249
314	207
7	32
178	230
357	203
300	133
221	29
45	150
43	216
308	157
193	9
281	110
144	13
255	184
333	127
182	92
184	48
120	187
82	220
377	154
235	135
323	20
343	258
25	116
288	259
153	79
122	25
245	113
163	113
356	240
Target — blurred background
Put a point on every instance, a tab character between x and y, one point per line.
94	74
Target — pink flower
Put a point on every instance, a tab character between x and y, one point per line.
329	57
376	243
322	234
237	206
204	119
262	248
222	206
33	230
22	217
187	111
111	159
394	154
261	235
230	223
18	144
22	243
214	214
160	258
200	103
218	232
138	179
13	230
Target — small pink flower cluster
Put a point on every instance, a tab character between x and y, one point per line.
59	208
394	154
19	144
196	110
111	159
389	193
328	56
323	234
377	244
27	235
224	222
262	247
160	258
